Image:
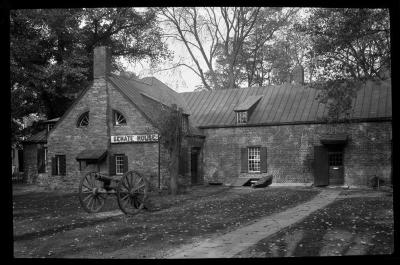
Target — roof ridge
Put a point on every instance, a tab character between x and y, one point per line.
130	79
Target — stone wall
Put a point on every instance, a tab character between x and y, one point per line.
68	139
290	151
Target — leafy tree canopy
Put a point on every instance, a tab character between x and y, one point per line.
51	53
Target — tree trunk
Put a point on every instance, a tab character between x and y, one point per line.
174	171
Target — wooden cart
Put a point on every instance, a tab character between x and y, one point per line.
130	189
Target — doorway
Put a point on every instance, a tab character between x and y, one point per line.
335	160
194	165
328	165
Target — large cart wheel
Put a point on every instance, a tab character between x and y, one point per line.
92	195
131	193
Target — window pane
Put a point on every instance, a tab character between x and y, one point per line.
119	118
119	164
83	120
254	159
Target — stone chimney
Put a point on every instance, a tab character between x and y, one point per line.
101	61
298	74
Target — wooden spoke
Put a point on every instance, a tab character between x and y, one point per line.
91	202
129	202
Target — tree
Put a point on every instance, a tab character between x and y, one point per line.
350	47
51	52
350	43
169	125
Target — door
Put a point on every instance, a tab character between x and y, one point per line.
41	160
194	165
336	176
321	170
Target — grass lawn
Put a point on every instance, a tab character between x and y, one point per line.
348	226
50	225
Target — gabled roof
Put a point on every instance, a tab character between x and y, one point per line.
285	103
148	93
247	103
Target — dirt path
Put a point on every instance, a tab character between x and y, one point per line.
229	244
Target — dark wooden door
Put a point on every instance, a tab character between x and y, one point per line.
336	176
194	166
41	163
321	170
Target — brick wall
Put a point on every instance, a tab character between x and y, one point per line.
290	151
67	139
70	140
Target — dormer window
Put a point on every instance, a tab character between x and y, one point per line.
245	108
118	118
83	120
241	117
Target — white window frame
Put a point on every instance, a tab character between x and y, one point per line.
241	117
116	122
84	116
119	164
254	159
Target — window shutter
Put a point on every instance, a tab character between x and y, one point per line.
126	167
111	164
243	160
62	165
263	158
53	166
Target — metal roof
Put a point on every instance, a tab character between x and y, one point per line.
148	93
92	154
40	137
248	103
283	104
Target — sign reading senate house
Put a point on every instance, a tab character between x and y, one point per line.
143	138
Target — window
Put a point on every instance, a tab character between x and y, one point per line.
118	118
119	164
83	120
185	123
254	159
335	159
58	165
241	117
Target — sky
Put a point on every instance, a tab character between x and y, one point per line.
181	79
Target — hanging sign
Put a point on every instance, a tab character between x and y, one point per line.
134	138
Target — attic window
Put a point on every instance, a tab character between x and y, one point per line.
241	117
83	120
119	119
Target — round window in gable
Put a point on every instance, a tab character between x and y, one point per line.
119	119
83	120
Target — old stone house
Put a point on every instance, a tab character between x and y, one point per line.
233	135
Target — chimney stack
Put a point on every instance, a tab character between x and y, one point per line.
298	74
101	61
